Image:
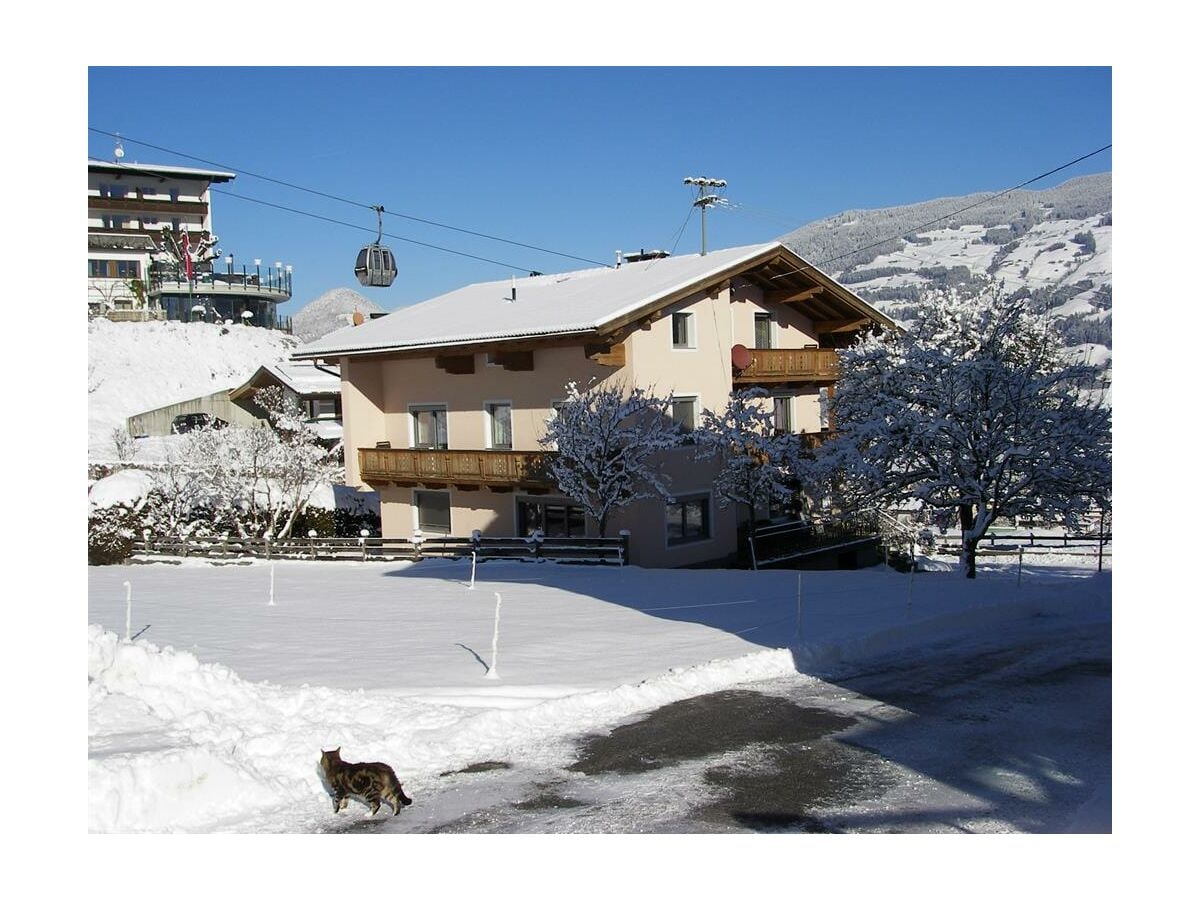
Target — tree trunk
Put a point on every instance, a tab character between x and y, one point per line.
968	555
966	521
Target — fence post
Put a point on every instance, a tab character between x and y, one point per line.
417	537
312	542
362	539
624	551
267	541
1020	563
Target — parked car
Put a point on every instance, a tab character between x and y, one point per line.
186	422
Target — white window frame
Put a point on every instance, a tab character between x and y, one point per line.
691	331
487	424
712	521
412	423
416	512
790	404
686	395
772	329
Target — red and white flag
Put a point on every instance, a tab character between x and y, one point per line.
187	256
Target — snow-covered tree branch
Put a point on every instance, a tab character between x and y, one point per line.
606	439
755	460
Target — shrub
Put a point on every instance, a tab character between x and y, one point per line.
110	535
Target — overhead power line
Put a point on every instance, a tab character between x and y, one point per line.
949	215
357	203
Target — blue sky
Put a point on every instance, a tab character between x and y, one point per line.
581	161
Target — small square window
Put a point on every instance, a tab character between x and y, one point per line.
683	331
683	413
433	511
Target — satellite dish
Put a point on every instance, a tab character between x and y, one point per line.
741	356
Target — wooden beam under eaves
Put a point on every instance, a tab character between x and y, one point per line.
456	365
515	360
834	326
606	354
793	296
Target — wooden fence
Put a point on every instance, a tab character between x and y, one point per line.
597	550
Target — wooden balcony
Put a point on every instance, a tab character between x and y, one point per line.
498	470
811	366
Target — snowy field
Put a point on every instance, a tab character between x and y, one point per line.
213	719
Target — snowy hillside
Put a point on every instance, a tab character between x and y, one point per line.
329	312
1055	244
138	366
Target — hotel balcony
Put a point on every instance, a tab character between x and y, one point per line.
272	284
498	470
809	366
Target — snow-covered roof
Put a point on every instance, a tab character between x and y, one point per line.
580	302
302	378
97	165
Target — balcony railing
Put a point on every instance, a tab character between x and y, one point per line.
813	365
274	283
471	468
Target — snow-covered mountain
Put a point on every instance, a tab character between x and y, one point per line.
1055	244
332	310
137	366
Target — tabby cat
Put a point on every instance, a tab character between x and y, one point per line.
371	782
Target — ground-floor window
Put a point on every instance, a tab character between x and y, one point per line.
688	520
433	511
554	518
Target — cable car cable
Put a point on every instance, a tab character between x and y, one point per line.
327	196
301	212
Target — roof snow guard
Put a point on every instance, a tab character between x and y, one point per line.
586	302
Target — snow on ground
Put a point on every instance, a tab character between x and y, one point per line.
214	719
134	367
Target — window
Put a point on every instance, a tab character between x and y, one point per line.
433	511
499	426
687	521
324	408
683	331
429	427
762	331
783	415
114	268
554	518
683	413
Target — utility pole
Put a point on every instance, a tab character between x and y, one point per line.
705	199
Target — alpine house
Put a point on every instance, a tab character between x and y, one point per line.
443	402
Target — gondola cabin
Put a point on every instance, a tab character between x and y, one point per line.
376	266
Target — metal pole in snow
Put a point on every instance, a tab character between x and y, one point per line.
472	587
1020	563
491	672
271	602
128	609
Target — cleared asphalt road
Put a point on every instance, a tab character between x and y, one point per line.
1009	734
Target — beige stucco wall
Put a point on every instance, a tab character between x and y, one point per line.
377	396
